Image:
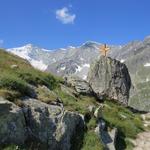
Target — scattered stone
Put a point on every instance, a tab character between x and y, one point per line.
14	66
91	109
80	85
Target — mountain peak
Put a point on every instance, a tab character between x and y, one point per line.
90	43
29	45
147	39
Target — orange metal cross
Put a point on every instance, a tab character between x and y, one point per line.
104	49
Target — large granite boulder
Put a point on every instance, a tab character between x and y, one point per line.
81	86
109	78
51	124
12	123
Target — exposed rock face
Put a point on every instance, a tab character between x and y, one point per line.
51	124
67	129
80	85
37	121
110	78
107	137
12	123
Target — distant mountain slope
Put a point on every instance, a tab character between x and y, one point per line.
77	60
70	60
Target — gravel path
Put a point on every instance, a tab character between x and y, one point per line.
142	142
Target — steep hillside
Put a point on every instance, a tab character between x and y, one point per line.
18	76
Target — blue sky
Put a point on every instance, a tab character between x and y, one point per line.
59	23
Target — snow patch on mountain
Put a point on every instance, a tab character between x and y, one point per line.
62	68
147	65
84	77
63	49
38	64
46	50
122	60
86	65
22	52
81	59
71	47
25	52
79	68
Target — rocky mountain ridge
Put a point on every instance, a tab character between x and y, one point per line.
76	61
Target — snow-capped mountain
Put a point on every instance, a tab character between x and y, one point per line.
40	58
77	60
70	60
30	52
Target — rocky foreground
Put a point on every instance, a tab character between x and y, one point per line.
49	124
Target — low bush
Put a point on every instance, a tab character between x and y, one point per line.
92	141
11	82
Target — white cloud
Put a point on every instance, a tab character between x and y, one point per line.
65	16
1	42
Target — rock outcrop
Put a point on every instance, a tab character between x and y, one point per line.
12	123
110	78
49	125
108	138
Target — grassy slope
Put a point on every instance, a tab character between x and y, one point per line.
16	82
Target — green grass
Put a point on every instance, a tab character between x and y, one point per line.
92	123
18	79
45	95
12	82
127	123
79	104
12	147
88	139
91	141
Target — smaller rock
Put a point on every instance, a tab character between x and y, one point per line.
80	85
91	109
14	66
46	95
